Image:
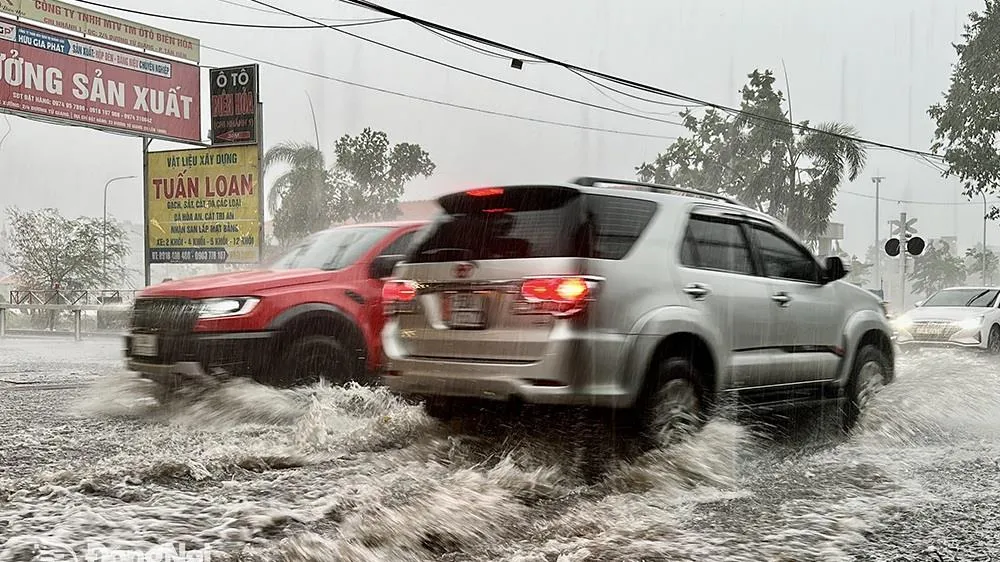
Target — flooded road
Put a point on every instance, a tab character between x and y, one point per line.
86	461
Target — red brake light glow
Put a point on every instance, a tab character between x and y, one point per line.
485	192
399	291
555	289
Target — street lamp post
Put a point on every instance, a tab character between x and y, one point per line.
104	225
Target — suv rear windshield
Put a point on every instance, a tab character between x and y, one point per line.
533	222
331	249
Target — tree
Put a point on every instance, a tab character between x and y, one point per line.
974	263
761	158
936	269
364	184
49	251
968	119
299	198
370	175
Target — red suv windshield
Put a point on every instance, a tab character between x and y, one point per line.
331	249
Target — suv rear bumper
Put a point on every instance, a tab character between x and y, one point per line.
200	356
528	382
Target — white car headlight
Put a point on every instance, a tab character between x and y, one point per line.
902	323
230	306
970	323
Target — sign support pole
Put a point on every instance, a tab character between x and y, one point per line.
902	261
145	208
260	183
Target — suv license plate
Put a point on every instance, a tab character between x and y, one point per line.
466	311
144	344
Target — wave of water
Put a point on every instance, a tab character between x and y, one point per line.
354	473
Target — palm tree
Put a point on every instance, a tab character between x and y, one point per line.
299	197
827	155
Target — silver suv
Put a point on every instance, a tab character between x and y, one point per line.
652	300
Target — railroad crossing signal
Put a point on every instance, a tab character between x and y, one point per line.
903	233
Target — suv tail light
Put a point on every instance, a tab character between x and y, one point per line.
559	296
398	296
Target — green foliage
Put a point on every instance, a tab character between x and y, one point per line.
47	250
370	175
364	184
936	269
299	198
974	264
968	119
765	161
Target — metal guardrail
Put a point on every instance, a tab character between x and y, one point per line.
76	309
60	297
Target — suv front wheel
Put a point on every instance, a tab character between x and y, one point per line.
311	359
871	369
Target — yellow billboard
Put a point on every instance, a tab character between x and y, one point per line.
204	205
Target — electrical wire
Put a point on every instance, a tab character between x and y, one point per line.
476	49
609	77
434	101
472	72
234	24
271	12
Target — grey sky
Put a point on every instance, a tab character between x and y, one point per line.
875	65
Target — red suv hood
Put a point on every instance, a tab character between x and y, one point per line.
236	284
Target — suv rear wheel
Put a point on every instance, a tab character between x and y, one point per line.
311	359
675	405
871	369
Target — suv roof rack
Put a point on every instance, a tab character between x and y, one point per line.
588	181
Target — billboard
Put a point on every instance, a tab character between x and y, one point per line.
102	26
204	205
55	76
234	95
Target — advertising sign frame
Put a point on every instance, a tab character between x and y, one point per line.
69	80
201	205
105	27
233	95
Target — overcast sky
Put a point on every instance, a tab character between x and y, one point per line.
876	65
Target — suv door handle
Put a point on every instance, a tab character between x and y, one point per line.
782	298
697	290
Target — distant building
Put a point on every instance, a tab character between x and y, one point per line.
829	241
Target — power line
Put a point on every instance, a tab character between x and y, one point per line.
472	72
234	24
272	12
611	78
434	101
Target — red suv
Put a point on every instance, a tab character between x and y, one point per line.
315	312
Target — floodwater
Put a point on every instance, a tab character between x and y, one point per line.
253	473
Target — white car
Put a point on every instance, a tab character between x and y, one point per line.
953	317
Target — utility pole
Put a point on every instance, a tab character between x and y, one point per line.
877	180
985	214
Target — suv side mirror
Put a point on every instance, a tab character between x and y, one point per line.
834	269
918	304
382	266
